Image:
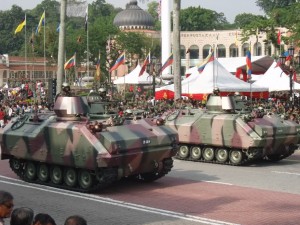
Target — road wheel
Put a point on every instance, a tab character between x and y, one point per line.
15	164
208	154
222	155
70	177
183	151
236	157
56	175
30	171
85	179
43	172
195	153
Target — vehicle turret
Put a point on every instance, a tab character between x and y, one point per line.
70	108
220	104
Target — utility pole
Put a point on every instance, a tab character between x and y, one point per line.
61	45
176	49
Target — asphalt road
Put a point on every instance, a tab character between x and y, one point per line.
193	193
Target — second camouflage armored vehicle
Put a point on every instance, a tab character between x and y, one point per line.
66	149
228	135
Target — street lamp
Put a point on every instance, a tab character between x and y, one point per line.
289	65
153	67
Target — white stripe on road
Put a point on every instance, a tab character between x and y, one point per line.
215	182
110	201
297	174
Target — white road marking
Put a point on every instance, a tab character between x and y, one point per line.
216	182
110	201
297	174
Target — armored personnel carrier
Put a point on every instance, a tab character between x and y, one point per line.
228	133
66	149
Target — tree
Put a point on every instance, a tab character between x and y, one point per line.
100	8
268	6
197	18
244	19
281	13
153	8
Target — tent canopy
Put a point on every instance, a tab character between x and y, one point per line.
276	80
213	76
134	78
260	64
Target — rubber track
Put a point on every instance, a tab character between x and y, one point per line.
109	177
244	162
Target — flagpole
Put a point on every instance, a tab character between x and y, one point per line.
33	56
45	46
87	40
65	71
75	70
26	70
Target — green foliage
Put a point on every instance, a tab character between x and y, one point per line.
244	19
281	13
153	11
200	19
268	6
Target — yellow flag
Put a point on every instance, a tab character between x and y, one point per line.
236	39
20	26
41	23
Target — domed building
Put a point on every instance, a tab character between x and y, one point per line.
134	18
194	45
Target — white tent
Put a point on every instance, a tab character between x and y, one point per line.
134	78
214	75
260	64
276	80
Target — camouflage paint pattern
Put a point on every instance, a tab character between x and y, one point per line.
267	137
65	139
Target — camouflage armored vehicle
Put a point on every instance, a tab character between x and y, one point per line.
67	150
100	108
228	135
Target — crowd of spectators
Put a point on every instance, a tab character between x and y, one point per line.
26	216
14	104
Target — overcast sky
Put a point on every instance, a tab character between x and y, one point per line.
229	7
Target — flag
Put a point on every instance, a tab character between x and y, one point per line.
86	18
208	59
236	39
279	37
288	57
71	62
146	62
168	62
120	60
98	71
295	76
238	73
278	64
248	64
188	51
20	26
58	28
41	23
